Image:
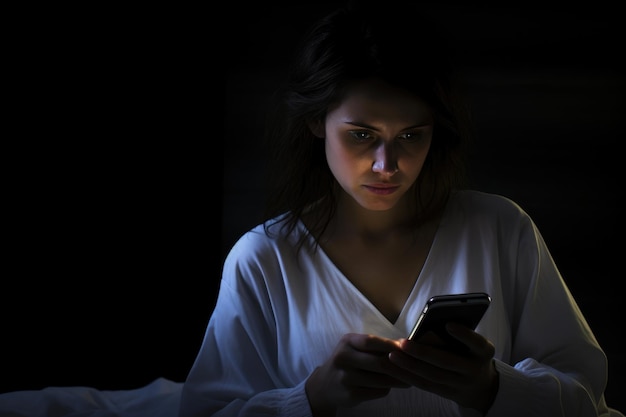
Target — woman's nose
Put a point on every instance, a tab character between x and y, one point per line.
385	159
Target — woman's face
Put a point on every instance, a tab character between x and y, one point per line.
377	139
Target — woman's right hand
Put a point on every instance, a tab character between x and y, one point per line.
357	371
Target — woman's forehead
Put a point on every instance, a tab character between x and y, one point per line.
375	98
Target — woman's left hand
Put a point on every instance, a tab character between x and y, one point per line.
470	379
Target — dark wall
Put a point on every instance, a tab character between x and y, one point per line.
110	264
120	232
112	198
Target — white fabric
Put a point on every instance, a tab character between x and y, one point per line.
160	398
280	314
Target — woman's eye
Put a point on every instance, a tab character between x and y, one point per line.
361	135
411	136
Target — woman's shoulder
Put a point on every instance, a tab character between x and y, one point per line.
265	255
486	204
270	237
470	196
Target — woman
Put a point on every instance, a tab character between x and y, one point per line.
369	218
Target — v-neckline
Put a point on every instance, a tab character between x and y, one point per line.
401	319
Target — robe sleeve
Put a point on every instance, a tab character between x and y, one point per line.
557	367
234	373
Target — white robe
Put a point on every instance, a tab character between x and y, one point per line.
280	314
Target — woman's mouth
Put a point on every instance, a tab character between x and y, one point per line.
381	189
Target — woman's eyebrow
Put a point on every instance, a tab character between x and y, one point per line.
366	126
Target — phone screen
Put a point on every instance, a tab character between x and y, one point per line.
466	309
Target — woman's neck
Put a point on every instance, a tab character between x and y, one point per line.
352	219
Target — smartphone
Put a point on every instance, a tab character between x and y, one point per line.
466	309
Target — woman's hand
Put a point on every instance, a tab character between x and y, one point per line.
358	370
470	379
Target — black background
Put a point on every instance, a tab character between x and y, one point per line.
132	177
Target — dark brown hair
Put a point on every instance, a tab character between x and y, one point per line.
398	45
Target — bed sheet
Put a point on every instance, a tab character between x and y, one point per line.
160	398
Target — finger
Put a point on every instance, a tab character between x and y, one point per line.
372	343
366	379
427	357
430	338
358	395
352	360
477	344
422	374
